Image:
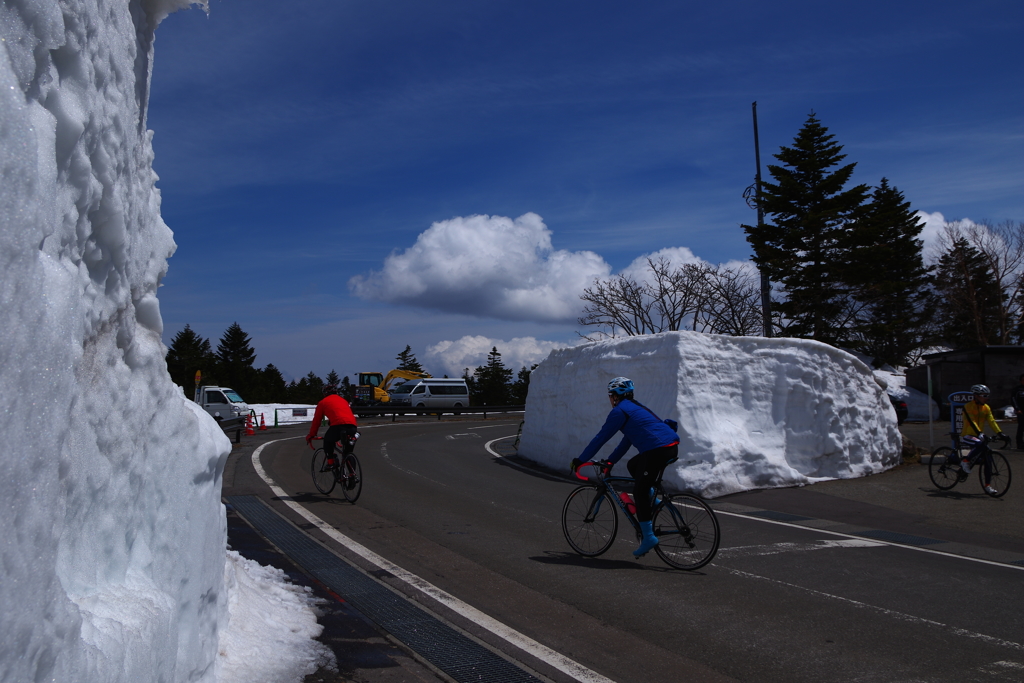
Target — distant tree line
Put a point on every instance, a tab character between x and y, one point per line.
233	365
846	266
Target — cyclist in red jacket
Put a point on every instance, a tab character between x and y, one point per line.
342	423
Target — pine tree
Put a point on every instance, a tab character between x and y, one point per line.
187	354
889	279
332	378
970	298
407	360
521	387
492	381
235	360
805	248
269	387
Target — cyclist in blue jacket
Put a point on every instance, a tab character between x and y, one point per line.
656	440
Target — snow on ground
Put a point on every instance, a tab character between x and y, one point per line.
752	412
114	544
283	413
917	401
273	627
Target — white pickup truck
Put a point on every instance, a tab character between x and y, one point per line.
221	402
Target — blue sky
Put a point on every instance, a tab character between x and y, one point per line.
300	144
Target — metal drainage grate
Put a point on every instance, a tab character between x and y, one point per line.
894	537
450	651
778	516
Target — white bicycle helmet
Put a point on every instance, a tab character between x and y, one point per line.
621	386
980	389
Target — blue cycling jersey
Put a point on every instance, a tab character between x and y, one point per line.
640	427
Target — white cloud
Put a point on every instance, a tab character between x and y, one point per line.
640	269
933	223
489	266
471	351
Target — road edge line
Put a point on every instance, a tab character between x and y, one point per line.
569	667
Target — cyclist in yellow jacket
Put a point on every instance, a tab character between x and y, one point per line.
977	414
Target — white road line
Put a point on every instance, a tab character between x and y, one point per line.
807	528
902	616
569	667
499	456
875	540
779	548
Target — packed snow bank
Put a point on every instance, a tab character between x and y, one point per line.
113	550
271	639
283	413
752	412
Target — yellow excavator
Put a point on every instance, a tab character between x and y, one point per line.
372	388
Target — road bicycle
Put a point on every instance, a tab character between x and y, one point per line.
686	526
345	472
946	472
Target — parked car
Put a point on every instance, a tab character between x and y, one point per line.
901	409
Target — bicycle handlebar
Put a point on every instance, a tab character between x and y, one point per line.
603	466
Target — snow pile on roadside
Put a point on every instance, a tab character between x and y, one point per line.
271	627
917	401
282	413
113	551
752	412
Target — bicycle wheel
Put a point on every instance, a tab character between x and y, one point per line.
1000	475
687	531
323	476
589	521
943	468
351	478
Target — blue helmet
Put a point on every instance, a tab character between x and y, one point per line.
621	386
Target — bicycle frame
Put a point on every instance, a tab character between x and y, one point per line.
606	482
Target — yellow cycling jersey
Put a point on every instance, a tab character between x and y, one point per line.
976	417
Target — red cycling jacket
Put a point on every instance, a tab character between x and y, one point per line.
337	411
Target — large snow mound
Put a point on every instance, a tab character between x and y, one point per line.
752	412
114	535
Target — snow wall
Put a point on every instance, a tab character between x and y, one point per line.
114	537
752	412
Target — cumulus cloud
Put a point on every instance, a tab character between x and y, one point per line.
933	223
471	351
490	266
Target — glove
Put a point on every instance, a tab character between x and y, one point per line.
309	439
574	465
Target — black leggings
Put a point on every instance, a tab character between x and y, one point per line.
645	468
336	433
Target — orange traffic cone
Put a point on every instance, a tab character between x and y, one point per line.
263	425
248	426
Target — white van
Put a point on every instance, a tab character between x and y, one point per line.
431	393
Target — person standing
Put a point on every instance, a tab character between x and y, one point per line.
1017	399
341	420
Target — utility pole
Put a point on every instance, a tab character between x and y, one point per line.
766	289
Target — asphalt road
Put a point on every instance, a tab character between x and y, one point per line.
781	602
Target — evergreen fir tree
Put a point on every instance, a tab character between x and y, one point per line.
407	360
970	298
271	387
188	353
805	248
332	378
521	387
235	360
889	279
492	381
